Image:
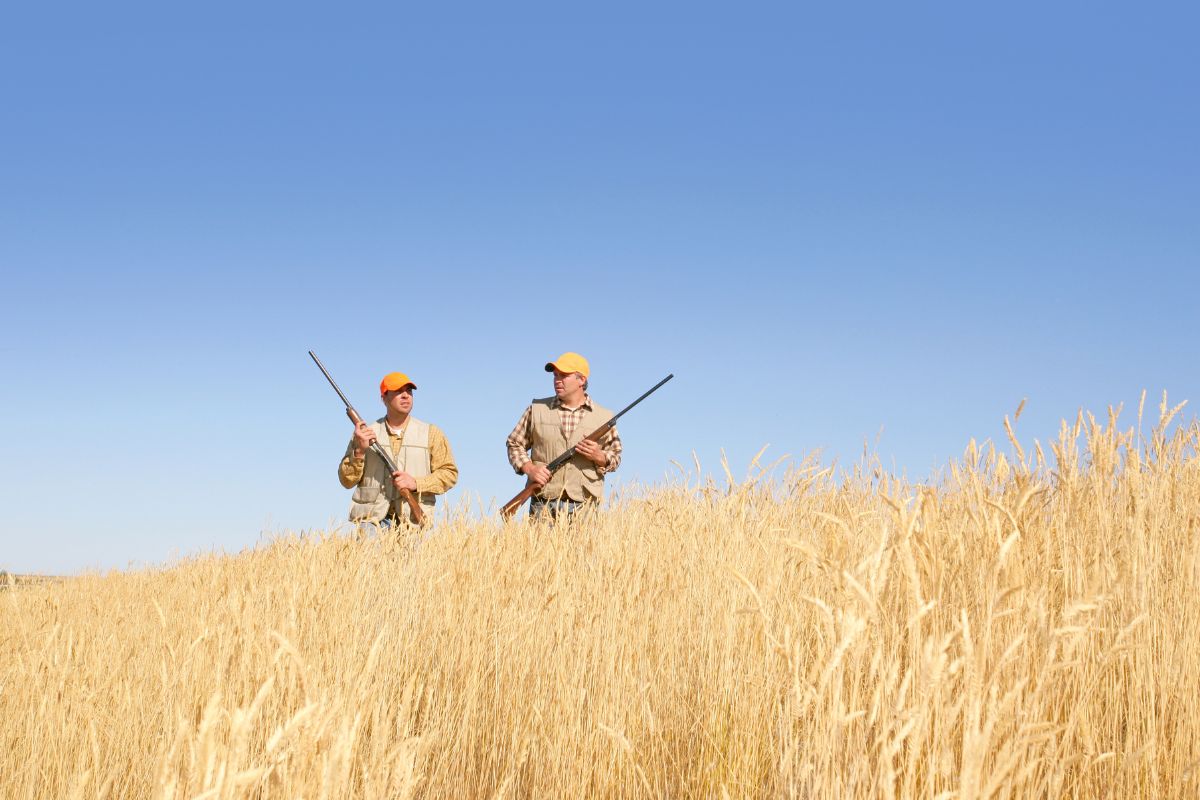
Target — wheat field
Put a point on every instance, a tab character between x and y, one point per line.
1024	625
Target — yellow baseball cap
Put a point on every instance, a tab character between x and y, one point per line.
393	381
569	362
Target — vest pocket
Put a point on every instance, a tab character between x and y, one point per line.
366	495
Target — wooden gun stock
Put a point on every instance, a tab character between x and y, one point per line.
510	508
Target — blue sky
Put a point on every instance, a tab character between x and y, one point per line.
825	221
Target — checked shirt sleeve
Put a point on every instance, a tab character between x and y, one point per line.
443	471
611	444
518	442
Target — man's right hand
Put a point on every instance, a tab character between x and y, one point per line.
537	473
363	436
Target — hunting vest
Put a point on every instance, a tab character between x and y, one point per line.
578	479
376	495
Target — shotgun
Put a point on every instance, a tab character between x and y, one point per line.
376	447
510	508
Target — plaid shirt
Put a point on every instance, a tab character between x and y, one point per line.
519	441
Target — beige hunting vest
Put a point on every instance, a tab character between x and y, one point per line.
578	479
376	495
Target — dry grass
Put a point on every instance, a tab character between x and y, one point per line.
9	580
1023	628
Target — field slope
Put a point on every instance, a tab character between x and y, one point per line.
1025	627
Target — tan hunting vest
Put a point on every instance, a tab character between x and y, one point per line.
375	494
578	479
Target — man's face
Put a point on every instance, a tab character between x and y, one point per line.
565	383
399	400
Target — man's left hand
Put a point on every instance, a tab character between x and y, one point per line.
402	480
592	452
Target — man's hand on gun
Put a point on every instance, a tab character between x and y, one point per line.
363	436
592	452
402	480
537	473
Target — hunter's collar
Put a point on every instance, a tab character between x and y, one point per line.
587	403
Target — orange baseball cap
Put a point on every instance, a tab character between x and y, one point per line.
569	362
393	381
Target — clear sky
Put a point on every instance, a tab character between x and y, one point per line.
825	219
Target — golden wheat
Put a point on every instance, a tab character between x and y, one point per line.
1017	628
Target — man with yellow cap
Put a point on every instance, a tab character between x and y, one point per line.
420	450
549	427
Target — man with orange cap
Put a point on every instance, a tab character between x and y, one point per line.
420	450
549	427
